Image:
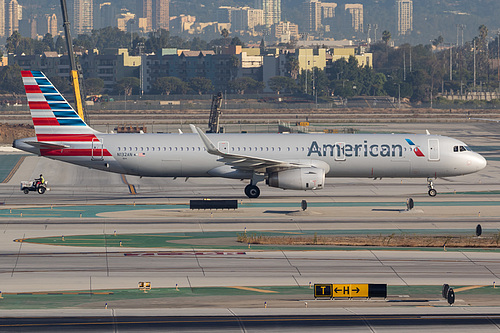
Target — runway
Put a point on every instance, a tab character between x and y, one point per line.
204	260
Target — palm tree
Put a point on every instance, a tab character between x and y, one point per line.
386	36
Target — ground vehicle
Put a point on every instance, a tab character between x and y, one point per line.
33	185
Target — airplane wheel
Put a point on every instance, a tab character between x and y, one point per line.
432	192
41	190
252	191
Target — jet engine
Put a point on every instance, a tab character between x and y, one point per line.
298	179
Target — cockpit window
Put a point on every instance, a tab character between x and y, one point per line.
461	148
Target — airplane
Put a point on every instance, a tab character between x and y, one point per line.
286	161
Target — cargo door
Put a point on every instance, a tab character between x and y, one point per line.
97	150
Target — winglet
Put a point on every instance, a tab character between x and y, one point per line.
427	131
211	149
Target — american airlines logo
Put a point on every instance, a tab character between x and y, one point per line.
342	150
415	148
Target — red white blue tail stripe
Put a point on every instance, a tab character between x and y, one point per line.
55	120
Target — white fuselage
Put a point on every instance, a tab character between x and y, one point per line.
343	155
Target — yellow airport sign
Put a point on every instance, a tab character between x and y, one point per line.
323	290
350	290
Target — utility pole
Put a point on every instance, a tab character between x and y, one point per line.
474	49
404	65
451	62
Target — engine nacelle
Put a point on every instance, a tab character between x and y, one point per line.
298	179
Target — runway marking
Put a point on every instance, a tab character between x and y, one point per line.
131	188
14	169
255	289
51	293
467	288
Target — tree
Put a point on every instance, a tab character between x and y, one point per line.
127	85
169	84
201	85
224	33
237	41
438	41
386	37
292	66
60	45
157	40
93	86
48	42
280	84
10	79
245	83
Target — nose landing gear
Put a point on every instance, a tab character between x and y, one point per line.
430	184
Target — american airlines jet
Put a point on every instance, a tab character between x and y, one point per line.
287	161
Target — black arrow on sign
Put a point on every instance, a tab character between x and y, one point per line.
337	290
356	290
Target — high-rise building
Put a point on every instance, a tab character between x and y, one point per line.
161	17
272	11
145	10
405	16
312	8
356	12
48	24
52	24
2	18
84	16
156	13
104	16
328	10
12	17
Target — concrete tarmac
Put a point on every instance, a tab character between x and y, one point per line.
345	205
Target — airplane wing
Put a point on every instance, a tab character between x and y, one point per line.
46	145
244	162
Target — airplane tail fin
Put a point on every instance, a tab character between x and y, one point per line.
54	118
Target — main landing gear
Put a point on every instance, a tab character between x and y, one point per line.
432	192
252	191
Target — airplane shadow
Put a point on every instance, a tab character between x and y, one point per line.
284	212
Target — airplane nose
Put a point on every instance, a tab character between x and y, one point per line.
480	162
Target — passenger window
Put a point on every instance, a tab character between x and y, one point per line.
130	148
267	148
118	148
147	148
455	149
288	148
182	148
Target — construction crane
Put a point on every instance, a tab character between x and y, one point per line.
213	121
74	76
